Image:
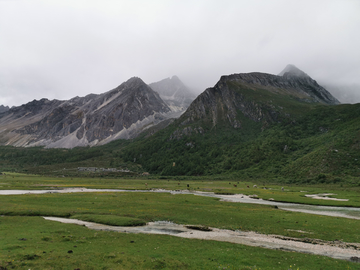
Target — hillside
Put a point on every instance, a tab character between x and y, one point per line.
257	125
283	128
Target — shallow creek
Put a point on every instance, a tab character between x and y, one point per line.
335	211
337	250
334	249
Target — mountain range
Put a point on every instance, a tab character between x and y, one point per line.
244	120
283	127
121	113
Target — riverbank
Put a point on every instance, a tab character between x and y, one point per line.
334	249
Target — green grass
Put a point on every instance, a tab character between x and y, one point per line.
182	209
34	243
112	220
293	193
27	241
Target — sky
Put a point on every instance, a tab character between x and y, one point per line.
59	49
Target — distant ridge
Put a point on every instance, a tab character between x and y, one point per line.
294	71
241	96
132	107
175	94
4	108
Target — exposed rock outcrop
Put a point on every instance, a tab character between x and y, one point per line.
175	94
249	96
95	119
4	108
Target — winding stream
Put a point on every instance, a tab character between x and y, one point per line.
337	250
334	211
340	250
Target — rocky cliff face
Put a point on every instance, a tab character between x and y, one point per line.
127	110
175	94
258	97
95	119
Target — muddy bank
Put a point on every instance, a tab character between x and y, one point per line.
334	211
333	249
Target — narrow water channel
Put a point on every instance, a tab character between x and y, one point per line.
335	211
343	251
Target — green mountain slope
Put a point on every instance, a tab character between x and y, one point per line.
284	128
256	130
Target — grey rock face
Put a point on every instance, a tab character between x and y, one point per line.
175	94
223	103
95	119
4	108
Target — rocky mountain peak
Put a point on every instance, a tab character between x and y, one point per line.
174	92
121	113
291	70
132	83
4	108
293	82
258	97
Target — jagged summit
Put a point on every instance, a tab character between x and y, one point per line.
134	81
121	113
4	108
174	92
294	71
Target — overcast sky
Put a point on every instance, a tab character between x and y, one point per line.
62	49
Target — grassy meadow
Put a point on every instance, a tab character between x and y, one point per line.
27	241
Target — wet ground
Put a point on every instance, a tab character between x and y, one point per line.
333	249
335	211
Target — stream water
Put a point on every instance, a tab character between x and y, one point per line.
345	251
335	211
